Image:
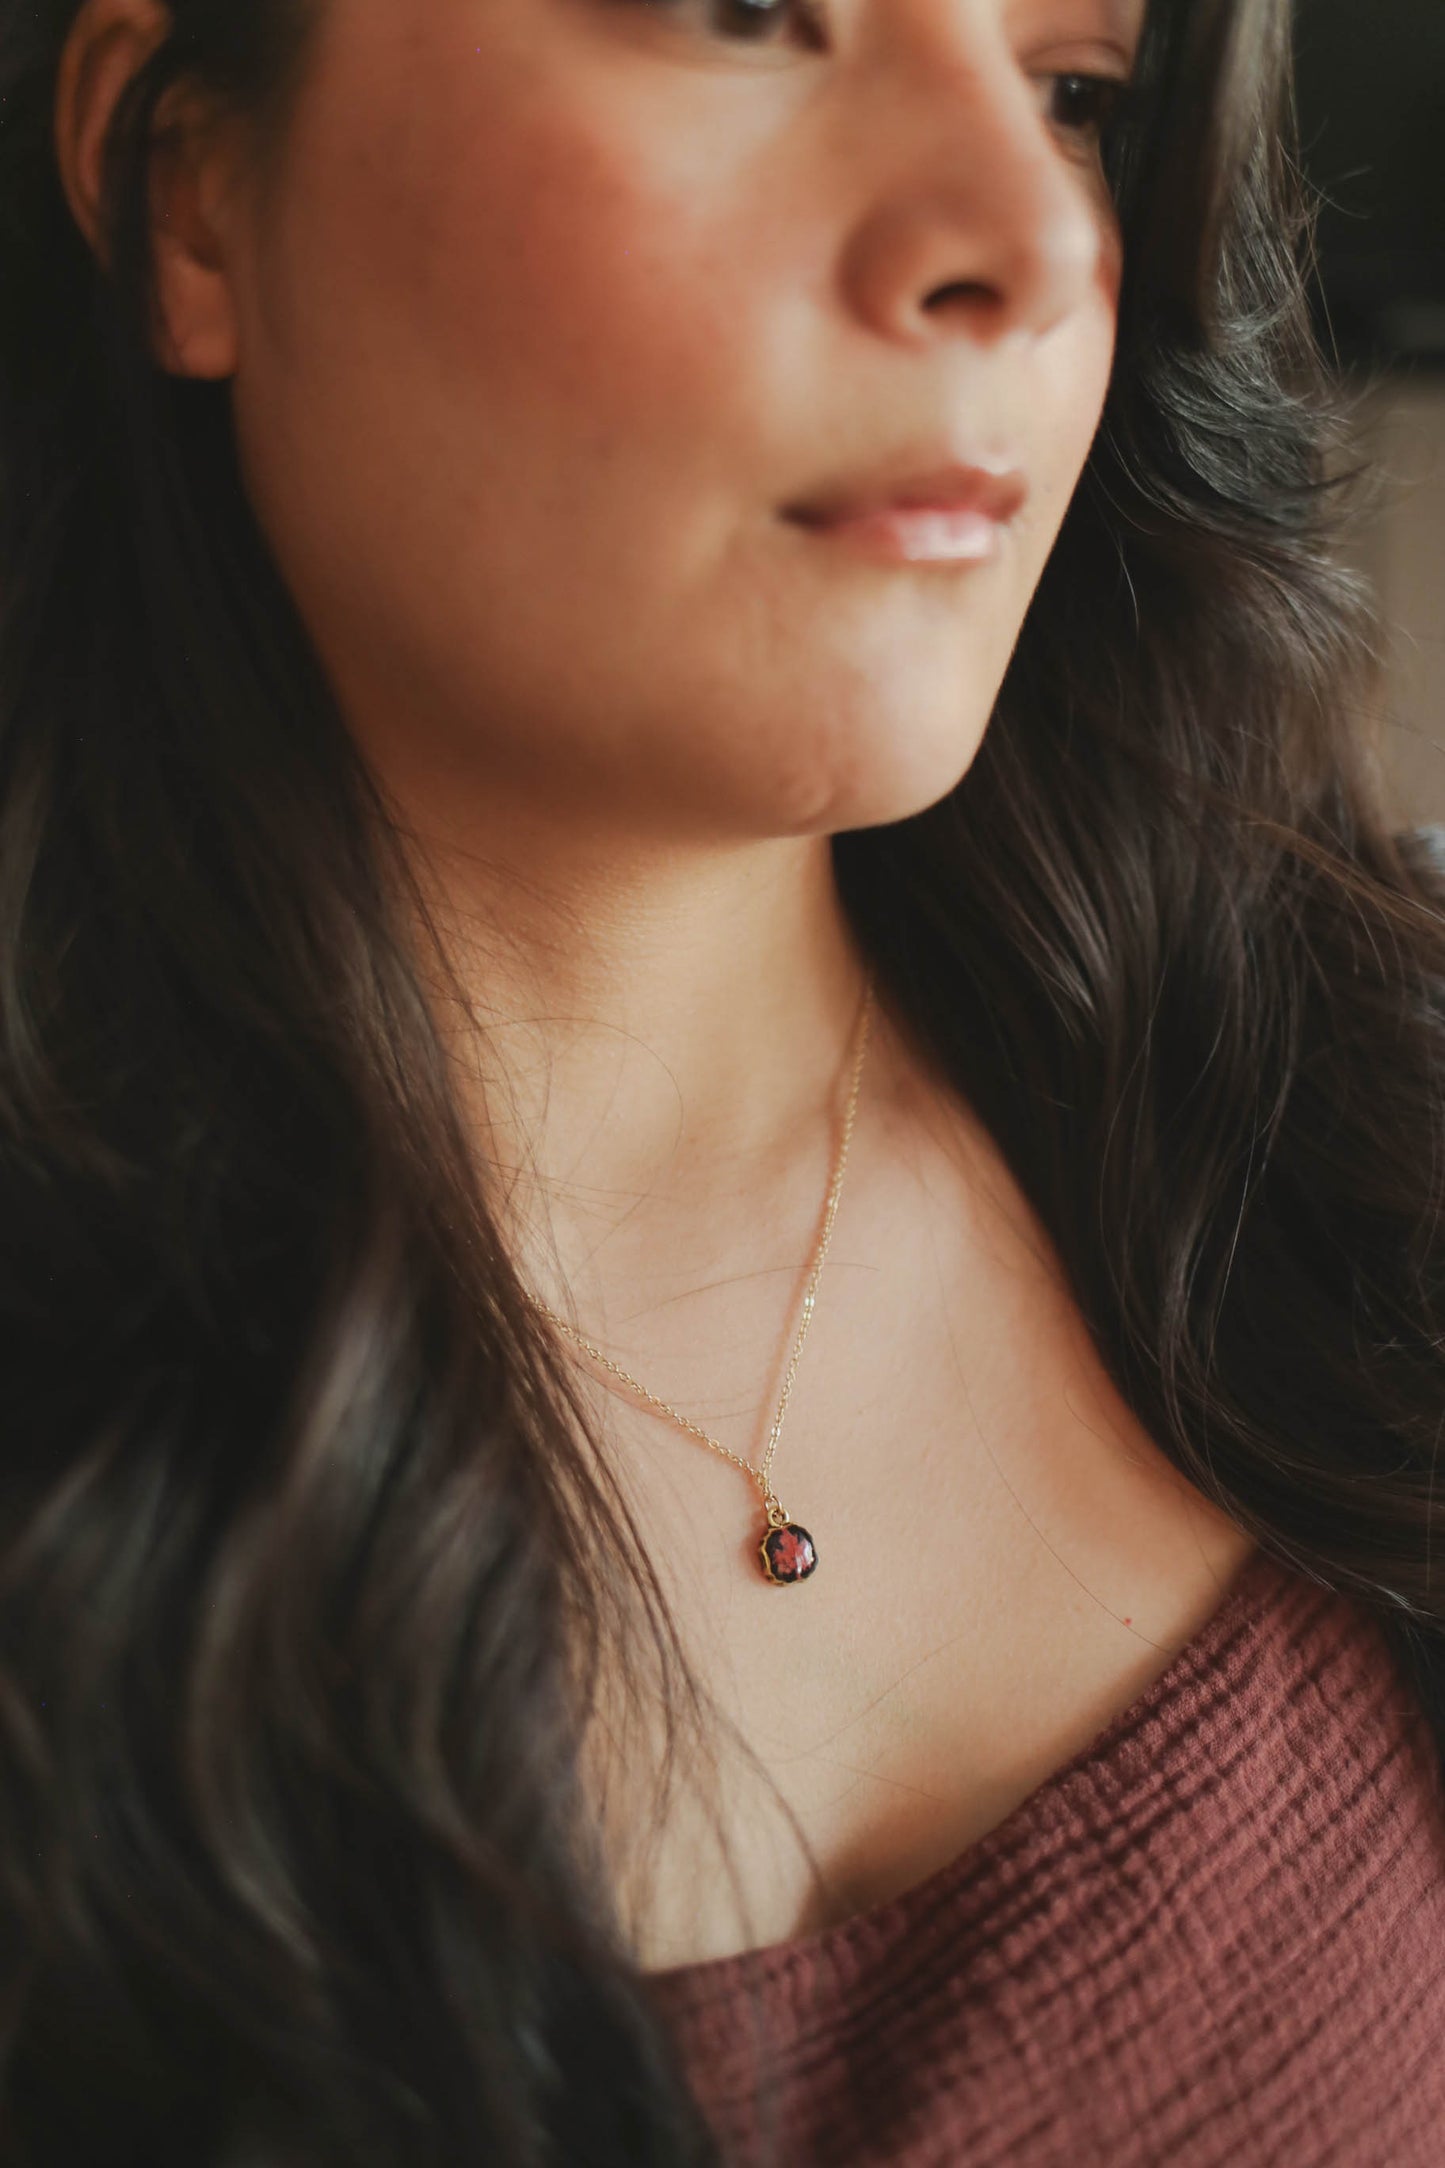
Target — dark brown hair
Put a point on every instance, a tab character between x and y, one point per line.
307	1561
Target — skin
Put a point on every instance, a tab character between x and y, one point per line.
547	312
544	314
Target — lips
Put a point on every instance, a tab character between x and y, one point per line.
995	492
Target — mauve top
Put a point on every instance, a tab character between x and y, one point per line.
1214	1939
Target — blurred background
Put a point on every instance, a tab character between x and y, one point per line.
1371	77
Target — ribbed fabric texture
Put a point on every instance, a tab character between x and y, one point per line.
1215	1939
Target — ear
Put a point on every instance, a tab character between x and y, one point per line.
194	329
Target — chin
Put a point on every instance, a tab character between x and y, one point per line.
888	777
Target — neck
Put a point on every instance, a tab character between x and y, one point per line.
653	1049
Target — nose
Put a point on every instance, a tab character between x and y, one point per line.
977	213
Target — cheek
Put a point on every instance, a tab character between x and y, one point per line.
524	267
493	414
1070	394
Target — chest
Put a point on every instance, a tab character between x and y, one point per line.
1001	1571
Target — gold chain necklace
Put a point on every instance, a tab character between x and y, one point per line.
787	1551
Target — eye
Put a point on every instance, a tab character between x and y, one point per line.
747	22
1084	105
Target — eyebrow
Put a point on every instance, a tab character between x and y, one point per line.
1127	18
1124	20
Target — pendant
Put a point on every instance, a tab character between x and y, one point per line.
787	1552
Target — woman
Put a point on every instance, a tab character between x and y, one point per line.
690	909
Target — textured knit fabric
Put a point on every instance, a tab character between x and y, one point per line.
1214	1939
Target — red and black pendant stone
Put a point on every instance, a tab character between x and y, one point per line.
788	1553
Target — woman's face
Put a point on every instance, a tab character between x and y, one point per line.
554	307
